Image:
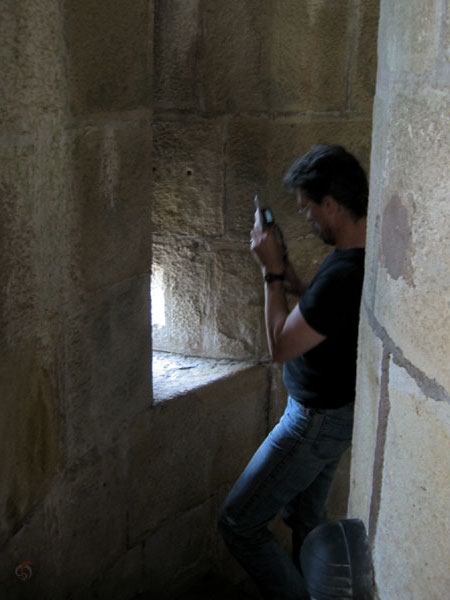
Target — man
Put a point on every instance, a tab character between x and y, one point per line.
293	468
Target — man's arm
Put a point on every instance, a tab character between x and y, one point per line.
293	284
288	334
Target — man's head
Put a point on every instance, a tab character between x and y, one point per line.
329	183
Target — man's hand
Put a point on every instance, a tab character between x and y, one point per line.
265	247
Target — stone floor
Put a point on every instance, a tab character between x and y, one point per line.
212	587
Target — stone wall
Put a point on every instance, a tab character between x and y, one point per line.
106	494
74	267
400	466
241	89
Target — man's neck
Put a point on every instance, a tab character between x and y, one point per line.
352	235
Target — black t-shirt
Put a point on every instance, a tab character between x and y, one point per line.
325	376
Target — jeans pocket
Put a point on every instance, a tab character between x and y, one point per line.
333	438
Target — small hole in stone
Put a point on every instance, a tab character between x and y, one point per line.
188	172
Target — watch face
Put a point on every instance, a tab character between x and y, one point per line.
268	216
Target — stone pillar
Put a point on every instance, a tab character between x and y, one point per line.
400	461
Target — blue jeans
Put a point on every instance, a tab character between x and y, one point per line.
290	472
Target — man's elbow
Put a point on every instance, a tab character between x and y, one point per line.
277	355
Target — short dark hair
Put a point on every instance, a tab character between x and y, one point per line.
329	170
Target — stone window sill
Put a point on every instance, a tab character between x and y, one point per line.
175	375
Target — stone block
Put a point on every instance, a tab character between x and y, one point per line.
30	433
35	544
235	55
414	229
89	504
247	171
415	496
408	32
189	446
177	554
337	500
188	178
108	55
237	319
370	354
199	50
364	58
107	357
123	579
73	535
33	83
291	139
184	269
177	44
309	55
35	227
112	182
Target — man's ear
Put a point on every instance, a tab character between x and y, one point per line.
331	206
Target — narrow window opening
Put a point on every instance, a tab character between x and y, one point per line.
158	299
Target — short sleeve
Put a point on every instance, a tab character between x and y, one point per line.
331	303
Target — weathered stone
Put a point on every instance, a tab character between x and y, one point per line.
33	83
108	72
309	59
199	53
36	226
177	554
177	42
247	171
123	579
185	277
408	33
112	180
234	60
183	447
364	57
370	353
291	139
337	500
415	498
236	328
188	178
30	459
412	273
106	374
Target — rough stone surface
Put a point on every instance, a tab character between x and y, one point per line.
178	553
237	320
313	33
408	310
199	50
96	480
184	447
104	384
364	64
112	179
412	270
32	62
188	178
108	72
415	496
185	276
366	421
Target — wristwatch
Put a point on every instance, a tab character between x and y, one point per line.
269	277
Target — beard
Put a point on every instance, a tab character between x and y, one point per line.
324	233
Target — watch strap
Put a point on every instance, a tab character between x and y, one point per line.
269	277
